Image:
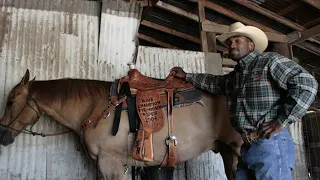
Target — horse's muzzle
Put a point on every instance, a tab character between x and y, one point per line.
5	136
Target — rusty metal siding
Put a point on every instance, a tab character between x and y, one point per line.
157	62
53	39
119	24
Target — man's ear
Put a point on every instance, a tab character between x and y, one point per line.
251	46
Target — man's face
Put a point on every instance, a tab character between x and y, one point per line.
239	46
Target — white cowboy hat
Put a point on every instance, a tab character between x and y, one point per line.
258	37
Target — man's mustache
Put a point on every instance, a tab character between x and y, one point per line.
234	50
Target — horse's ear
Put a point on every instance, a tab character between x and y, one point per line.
25	78
33	79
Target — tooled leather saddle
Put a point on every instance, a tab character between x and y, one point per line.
145	99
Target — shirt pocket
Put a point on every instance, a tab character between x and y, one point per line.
258	91
256	82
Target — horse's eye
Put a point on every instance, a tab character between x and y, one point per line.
10	102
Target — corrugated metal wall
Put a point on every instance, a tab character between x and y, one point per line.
157	62
56	39
119	25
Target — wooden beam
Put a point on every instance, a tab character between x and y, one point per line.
309	47
178	11
194	17
290	8
155	41
222	49
276	37
178	34
275	16
236	16
270	15
312	23
306	34
313	108
293	36
171	31
314	3
217	28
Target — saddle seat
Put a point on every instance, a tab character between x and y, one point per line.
140	82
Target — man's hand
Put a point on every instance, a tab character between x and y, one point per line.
178	72
270	128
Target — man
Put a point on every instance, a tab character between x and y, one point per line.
266	93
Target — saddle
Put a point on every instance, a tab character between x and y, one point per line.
143	83
151	95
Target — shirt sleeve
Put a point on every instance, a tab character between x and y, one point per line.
211	83
300	87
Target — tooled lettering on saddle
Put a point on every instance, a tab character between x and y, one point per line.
149	109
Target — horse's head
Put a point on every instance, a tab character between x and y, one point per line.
21	110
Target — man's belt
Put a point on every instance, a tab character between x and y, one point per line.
249	138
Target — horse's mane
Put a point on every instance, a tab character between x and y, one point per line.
62	90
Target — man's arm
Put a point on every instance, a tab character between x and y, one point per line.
300	85
212	83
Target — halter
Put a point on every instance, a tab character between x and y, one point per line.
39	113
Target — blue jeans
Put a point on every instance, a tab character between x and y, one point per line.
268	158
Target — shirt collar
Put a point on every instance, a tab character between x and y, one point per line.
245	61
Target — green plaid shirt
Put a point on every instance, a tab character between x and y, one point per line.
262	88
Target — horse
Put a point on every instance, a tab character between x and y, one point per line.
199	127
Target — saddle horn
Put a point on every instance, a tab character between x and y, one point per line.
132	65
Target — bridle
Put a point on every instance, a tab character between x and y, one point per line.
39	113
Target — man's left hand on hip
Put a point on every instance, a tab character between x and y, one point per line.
269	129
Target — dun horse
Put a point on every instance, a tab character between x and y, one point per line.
198	127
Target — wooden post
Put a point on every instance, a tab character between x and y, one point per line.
212	42
202	18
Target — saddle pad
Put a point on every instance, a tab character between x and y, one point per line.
150	110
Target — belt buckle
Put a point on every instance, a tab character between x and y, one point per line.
252	137
247	138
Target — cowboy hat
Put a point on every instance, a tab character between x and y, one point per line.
258	37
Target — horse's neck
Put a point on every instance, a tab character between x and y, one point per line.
71	110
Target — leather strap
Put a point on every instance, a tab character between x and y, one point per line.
172	142
117	115
170	106
131	108
94	119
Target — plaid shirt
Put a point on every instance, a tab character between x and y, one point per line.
262	88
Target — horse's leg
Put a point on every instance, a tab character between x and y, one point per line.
230	159
110	167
